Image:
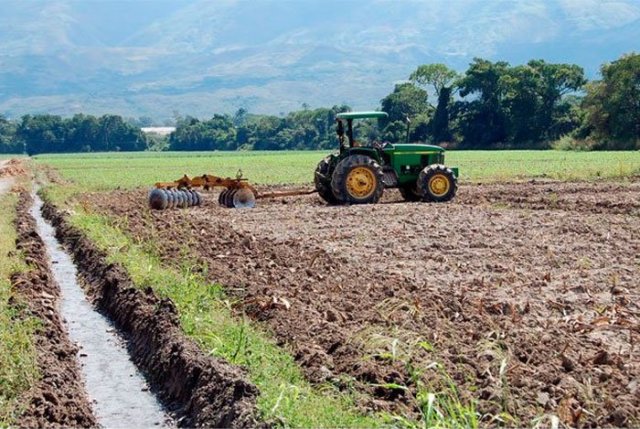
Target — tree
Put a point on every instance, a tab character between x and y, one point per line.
438	76
482	121
8	141
117	135
613	105
406	101
443	81
534	100
517	107
41	133
240	117
82	133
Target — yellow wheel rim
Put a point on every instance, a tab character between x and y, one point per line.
439	185
361	182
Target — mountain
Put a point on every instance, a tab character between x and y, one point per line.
197	57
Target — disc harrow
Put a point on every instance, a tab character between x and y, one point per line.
237	193
161	199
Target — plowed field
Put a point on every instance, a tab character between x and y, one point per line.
526	294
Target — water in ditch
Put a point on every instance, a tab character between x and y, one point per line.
120	395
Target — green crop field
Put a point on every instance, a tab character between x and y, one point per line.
104	171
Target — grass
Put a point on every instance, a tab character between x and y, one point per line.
18	370
205	316
491	166
109	170
106	171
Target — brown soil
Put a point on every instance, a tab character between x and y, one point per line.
12	168
526	293
58	398
201	390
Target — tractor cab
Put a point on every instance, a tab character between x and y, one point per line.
345	134
359	173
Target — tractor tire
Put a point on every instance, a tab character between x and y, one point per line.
323	185
437	183
357	179
410	192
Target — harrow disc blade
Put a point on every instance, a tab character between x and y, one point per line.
198	198
189	195
222	196
183	200
228	198
171	197
158	199
243	199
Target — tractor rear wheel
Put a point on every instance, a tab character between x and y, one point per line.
323	185
410	192
357	179
437	183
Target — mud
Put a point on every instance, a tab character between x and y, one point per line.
526	293
58	399
201	390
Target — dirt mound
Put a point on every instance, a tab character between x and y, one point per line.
529	301
13	168
58	399
202	390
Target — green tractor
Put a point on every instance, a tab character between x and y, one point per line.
358	174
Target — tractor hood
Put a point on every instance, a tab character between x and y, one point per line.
412	148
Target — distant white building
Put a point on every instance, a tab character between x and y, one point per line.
162	131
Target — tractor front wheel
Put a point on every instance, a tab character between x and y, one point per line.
322	180
437	183
357	179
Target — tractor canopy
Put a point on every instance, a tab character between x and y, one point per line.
361	115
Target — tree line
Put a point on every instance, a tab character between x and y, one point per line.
492	105
34	134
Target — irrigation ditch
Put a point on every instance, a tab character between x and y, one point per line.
59	397
118	391
192	388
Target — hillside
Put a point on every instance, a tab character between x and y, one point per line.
198	57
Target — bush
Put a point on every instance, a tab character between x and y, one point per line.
567	142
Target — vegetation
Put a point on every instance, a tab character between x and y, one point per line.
489	106
18	370
612	106
35	134
107	170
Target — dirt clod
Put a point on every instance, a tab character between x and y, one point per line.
494	287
